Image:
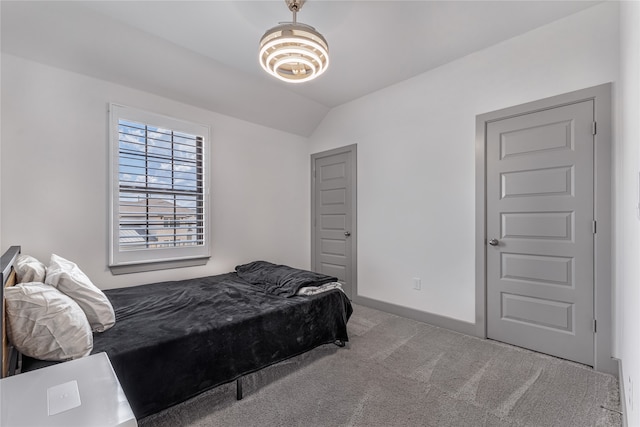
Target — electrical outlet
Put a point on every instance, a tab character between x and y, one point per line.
638	206
417	283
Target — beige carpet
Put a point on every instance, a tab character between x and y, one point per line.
398	372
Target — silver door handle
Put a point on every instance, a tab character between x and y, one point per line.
494	242
347	233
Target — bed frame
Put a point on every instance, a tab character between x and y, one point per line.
8	354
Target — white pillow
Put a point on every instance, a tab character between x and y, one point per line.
45	323
69	279
29	269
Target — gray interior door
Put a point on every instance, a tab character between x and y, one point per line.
333	216
540	231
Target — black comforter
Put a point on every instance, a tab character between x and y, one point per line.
174	340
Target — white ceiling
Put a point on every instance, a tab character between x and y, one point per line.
205	52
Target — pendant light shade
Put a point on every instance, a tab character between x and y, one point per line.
294	52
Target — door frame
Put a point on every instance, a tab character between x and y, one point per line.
352	150
601	96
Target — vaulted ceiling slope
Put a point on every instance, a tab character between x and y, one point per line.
204	53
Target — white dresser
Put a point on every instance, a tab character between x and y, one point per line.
83	393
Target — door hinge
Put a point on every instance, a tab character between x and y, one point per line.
595	328
594	128
594	226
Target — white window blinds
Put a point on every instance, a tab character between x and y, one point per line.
159	176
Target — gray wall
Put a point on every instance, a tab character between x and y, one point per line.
627	214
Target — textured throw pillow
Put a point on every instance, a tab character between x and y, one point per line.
70	280
29	269
45	323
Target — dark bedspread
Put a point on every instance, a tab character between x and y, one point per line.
173	340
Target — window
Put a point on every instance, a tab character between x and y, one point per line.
159	190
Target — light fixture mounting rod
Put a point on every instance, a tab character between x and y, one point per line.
294	6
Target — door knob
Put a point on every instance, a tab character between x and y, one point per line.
494	242
347	233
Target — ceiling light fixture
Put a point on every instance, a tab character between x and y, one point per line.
294	52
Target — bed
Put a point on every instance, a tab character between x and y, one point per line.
174	340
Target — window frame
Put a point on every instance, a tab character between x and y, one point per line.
148	259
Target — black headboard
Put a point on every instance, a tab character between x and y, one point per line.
8	355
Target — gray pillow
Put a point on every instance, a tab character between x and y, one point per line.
29	269
70	280
44	323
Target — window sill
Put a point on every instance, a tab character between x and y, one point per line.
159	265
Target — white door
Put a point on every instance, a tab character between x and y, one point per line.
540	231
333	215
